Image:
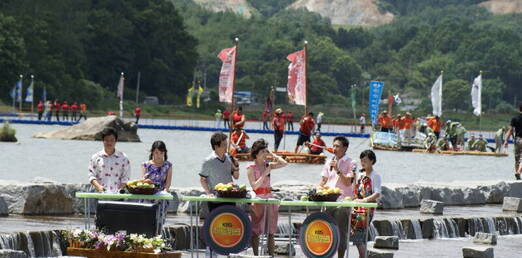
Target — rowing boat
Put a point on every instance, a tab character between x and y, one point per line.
290	157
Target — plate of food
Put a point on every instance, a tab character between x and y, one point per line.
141	186
324	194
231	190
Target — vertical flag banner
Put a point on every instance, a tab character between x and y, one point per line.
29	94
120	93
16	90
436	97
227	74
353	97
375	99
476	95
296	85
44	94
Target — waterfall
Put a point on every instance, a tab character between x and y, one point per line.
518	221
491	224
34	243
477	226
440	231
417	228
397	228
453	229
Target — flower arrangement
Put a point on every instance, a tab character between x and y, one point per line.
120	241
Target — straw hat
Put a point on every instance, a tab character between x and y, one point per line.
278	111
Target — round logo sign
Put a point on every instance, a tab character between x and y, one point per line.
227	230
319	235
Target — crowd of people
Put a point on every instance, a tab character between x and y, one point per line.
109	171
73	112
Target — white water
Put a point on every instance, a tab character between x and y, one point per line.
417	228
491	225
398	229
440	231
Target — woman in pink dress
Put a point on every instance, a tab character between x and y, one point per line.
259	178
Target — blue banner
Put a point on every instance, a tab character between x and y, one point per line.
375	99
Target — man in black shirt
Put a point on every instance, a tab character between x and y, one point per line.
516	128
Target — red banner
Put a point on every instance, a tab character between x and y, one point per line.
227	74
296	86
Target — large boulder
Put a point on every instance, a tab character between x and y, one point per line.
7	134
8	253
432	207
387	242
91	130
477	252
512	204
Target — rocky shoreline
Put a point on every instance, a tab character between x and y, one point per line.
44	197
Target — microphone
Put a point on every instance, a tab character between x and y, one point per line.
334	158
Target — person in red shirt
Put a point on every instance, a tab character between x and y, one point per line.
137	113
238	118
278	123
74	110
265	120
385	121
307	125
405	127
83	112
40	108
56	109
435	124
226	119
290	121
65	111
238	140
318	145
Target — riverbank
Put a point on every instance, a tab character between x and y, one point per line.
51	198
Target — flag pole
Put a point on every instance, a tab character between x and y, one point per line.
138	88
20	91
306	79
480	104
236	44
32	97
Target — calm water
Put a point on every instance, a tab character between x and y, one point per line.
66	161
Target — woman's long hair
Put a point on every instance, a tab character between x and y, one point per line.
159	145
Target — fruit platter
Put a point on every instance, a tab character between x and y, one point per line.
230	190
322	194
141	186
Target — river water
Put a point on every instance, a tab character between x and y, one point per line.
66	161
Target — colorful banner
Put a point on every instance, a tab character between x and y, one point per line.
296	85
227	74
29	94
190	94
319	235
227	229
476	95
375	99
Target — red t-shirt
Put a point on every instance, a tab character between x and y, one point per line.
56	107
307	125
385	121
434	124
278	123
74	107
226	114
235	136
319	142
265	116
83	107
406	123
289	117
40	107
65	107
137	111
236	118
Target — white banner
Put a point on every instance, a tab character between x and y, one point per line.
226	76
476	95
436	97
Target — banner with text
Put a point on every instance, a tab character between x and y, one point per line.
375	99
227	74
296	85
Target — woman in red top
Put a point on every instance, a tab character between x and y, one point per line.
74	110
40	109
238	118
278	123
56	108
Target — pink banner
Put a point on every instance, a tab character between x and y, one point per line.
296	86
226	76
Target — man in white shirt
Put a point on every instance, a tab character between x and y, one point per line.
109	170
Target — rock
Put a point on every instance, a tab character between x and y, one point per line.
477	252
4	209
410	196
512	204
432	207
37	199
387	242
502	6
485	238
393	199
91	129
7	134
384	227
373	253
8	253
174	204
427	226
409	231
281	248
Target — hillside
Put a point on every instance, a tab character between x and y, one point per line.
347	12
239	7
503	6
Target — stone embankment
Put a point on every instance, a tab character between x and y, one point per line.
44	197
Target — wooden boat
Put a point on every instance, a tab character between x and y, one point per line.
474	153
290	157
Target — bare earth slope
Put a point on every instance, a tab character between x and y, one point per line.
346	12
240	7
503	6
